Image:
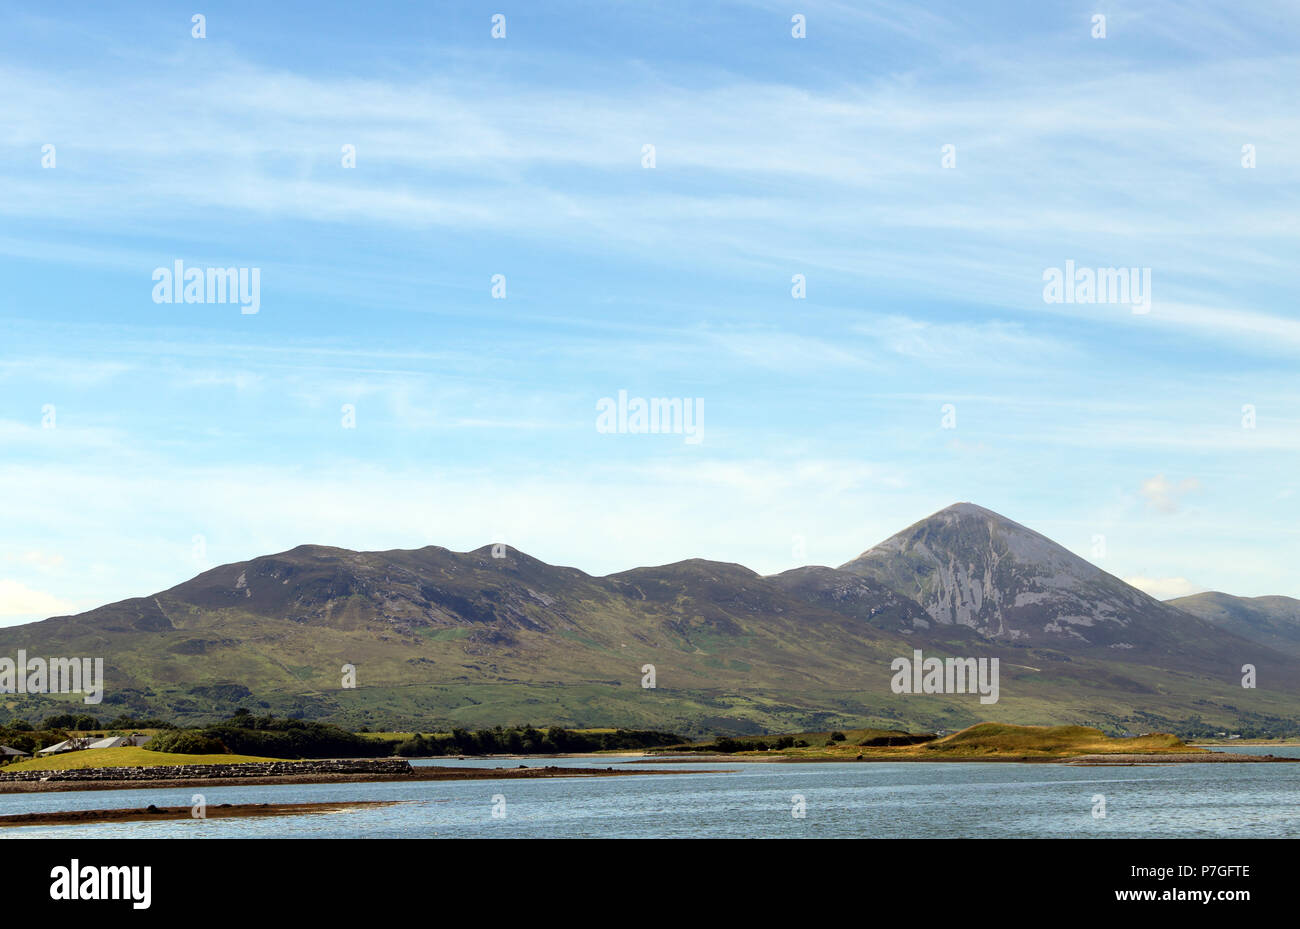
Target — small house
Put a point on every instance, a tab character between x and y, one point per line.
111	742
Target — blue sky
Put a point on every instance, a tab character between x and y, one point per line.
190	435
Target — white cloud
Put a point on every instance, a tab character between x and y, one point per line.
598	517
843	178
21	604
1164	588
1166	496
1265	331
46	561
953	343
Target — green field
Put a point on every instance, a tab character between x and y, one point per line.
129	756
517	642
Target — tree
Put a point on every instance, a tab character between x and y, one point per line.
185	742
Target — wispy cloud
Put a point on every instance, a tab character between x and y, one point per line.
1166	496
1164	588
773	158
21	604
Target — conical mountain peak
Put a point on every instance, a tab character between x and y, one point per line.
969	566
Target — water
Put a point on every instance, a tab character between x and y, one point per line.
880	800
1277	751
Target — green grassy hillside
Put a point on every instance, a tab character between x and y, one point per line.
442	639
125	757
999	739
983	740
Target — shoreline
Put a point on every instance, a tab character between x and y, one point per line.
154	813
631	765
1092	759
422	773
1207	758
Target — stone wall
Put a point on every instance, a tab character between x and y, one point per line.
246	769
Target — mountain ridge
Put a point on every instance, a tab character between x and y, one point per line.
471	638
1270	620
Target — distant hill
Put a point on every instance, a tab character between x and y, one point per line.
987	739
1271	621
441	638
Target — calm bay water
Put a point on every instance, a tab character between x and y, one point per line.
869	800
1281	751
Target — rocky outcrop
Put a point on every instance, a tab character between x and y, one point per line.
969	567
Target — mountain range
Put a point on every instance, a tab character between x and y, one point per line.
496	637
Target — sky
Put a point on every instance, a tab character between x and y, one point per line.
832	248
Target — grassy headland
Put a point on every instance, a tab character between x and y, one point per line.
128	756
981	742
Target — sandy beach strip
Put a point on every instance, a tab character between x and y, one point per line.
152	813
420	773
1178	758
